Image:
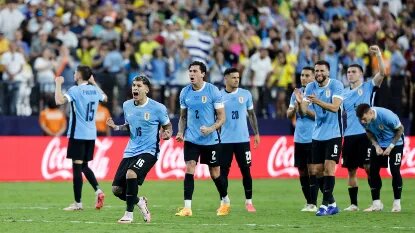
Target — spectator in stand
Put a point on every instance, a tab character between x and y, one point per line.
52	120
10	19
103	114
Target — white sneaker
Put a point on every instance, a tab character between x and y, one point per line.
352	208
309	208
74	206
374	207
142	206
127	218
396	207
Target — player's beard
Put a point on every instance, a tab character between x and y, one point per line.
322	81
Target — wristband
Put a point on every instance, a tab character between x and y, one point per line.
117	128
391	145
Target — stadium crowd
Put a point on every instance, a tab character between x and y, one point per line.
269	42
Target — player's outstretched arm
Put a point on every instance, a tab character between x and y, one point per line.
378	79
59	97
182	125
254	124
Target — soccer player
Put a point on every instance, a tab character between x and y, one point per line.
201	115
385	132
143	117
356	145
82	132
234	132
302	139
326	96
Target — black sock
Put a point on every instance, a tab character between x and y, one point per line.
224	172
353	195
121	195
132	191
220	186
77	181
89	174
189	186
375	182
313	189
320	181
329	182
305	186
246	181
396	180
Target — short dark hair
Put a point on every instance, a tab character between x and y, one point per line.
85	72
324	63
357	66
362	109
230	71
201	65
143	78
308	68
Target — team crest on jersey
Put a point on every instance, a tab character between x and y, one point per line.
381	127
204	99
146	116
241	99
360	92
328	93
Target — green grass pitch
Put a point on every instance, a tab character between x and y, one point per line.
37	207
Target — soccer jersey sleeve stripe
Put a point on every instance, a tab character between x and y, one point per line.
219	105
338	96
251	107
68	97
291	106
183	107
399	125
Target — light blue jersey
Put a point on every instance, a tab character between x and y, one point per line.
304	124
235	128
84	100
363	94
201	105
383	126
328	124
144	122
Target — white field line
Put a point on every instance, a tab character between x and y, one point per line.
185	224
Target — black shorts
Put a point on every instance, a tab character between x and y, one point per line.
208	153
302	154
326	150
140	164
356	151
79	149
394	158
242	153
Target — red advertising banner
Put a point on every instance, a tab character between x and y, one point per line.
44	158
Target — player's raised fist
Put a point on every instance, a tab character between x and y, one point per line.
374	49
59	80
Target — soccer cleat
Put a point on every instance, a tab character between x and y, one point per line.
127	218
322	211
183	212
352	208
396	207
250	208
142	206
74	206
374	208
223	210
332	210
311	208
305	209
99	200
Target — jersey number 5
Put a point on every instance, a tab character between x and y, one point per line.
90	111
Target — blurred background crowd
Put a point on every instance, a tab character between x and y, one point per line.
269	41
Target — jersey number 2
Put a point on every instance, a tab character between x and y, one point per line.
90	111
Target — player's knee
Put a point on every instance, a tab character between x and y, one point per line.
214	172
302	171
395	171
190	167
131	174
352	172
78	162
117	191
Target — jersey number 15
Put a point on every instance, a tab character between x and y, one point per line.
90	111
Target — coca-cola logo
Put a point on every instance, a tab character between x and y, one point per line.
171	163
55	164
281	159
